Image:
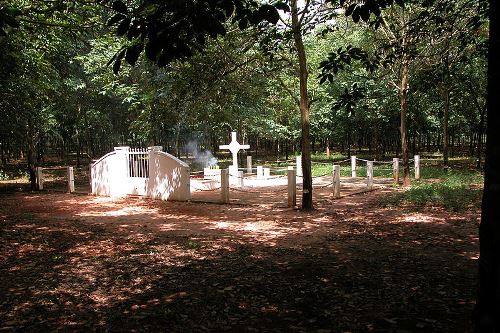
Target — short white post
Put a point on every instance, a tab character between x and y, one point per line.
39	178
71	180
353	166
260	172
336	181
298	161
369	175
395	169
292	187
240	179
249	164
267	173
224	185
417	167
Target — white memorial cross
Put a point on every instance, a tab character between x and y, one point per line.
234	147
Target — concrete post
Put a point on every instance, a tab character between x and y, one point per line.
39	178
292	187
240	179
267	173
417	167
353	166
336	181
298	161
369	175
249	164
260	172
224	185
71	180
395	169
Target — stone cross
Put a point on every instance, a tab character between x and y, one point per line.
234	147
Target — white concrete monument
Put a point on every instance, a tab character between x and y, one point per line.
234	147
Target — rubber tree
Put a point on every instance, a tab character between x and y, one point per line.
487	310
398	41
297	19
453	45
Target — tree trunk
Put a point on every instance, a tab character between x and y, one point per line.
480	141
487	311
445	91
446	117
307	202
327	144
287	142
2	151
452	144
30	155
177	139
349	134
403	98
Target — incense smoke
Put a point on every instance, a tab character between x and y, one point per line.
203	157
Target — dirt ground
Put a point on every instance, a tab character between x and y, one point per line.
80	263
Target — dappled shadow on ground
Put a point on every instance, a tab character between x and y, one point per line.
81	263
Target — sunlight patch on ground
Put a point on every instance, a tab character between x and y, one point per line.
123	211
267	227
421	218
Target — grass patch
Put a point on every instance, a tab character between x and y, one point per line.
379	170
454	189
321	157
13	174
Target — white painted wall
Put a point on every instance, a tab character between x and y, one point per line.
105	175
168	176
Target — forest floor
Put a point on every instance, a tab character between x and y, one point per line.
78	263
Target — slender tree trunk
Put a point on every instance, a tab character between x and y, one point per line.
445	91
446	117
480	141
287	143
413	144
471	143
349	134
177	143
403	97
2	151
78	147
30	155
327	148
307	202
452	144
487	311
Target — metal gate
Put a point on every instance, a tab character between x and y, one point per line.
137	160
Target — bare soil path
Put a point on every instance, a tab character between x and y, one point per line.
82	263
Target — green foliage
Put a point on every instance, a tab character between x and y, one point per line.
176	30
3	175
